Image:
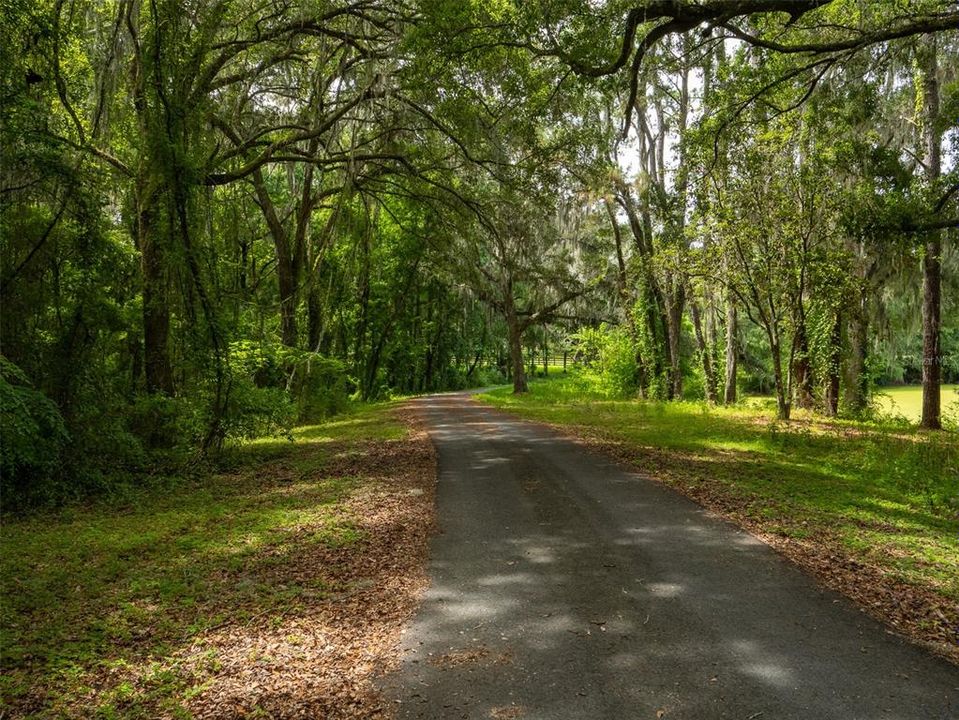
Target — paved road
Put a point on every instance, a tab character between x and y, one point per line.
566	587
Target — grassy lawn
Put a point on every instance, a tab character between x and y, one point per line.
886	497
101	604
906	400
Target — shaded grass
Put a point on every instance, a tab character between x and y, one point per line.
102	587
888	495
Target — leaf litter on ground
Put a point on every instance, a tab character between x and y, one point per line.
294	618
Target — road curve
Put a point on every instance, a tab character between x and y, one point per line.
566	587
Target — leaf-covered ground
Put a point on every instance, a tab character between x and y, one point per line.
872	511
275	590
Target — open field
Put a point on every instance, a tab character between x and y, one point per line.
275	588
878	504
906	400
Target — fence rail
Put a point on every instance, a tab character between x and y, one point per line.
560	361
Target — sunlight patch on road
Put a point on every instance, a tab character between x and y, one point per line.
665	590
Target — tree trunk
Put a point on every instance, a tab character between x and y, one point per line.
832	386
363	301
931	358
516	349
681	180
156	309
286	271
932	256
654	301
704	353
622	279
314	318
158	370
545	353
674	329
729	396
802	369
857	382
782	392
710	330
135	350
287	287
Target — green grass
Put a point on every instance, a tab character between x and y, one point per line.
108	586
906	400
888	494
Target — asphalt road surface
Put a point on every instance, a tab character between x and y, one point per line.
566	587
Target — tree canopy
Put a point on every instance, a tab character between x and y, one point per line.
221	217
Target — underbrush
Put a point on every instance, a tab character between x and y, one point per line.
108	443
101	600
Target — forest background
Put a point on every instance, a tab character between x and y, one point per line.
222	219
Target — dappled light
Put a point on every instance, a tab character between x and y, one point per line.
268	589
267	267
816	490
606	591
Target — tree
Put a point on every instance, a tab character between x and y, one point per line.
932	251
523	266
773	230
828	31
220	217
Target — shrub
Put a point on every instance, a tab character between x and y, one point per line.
321	386
103	451
487	377
164	423
317	386
610	355
32	437
253	411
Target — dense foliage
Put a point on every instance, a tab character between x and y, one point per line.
222	218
